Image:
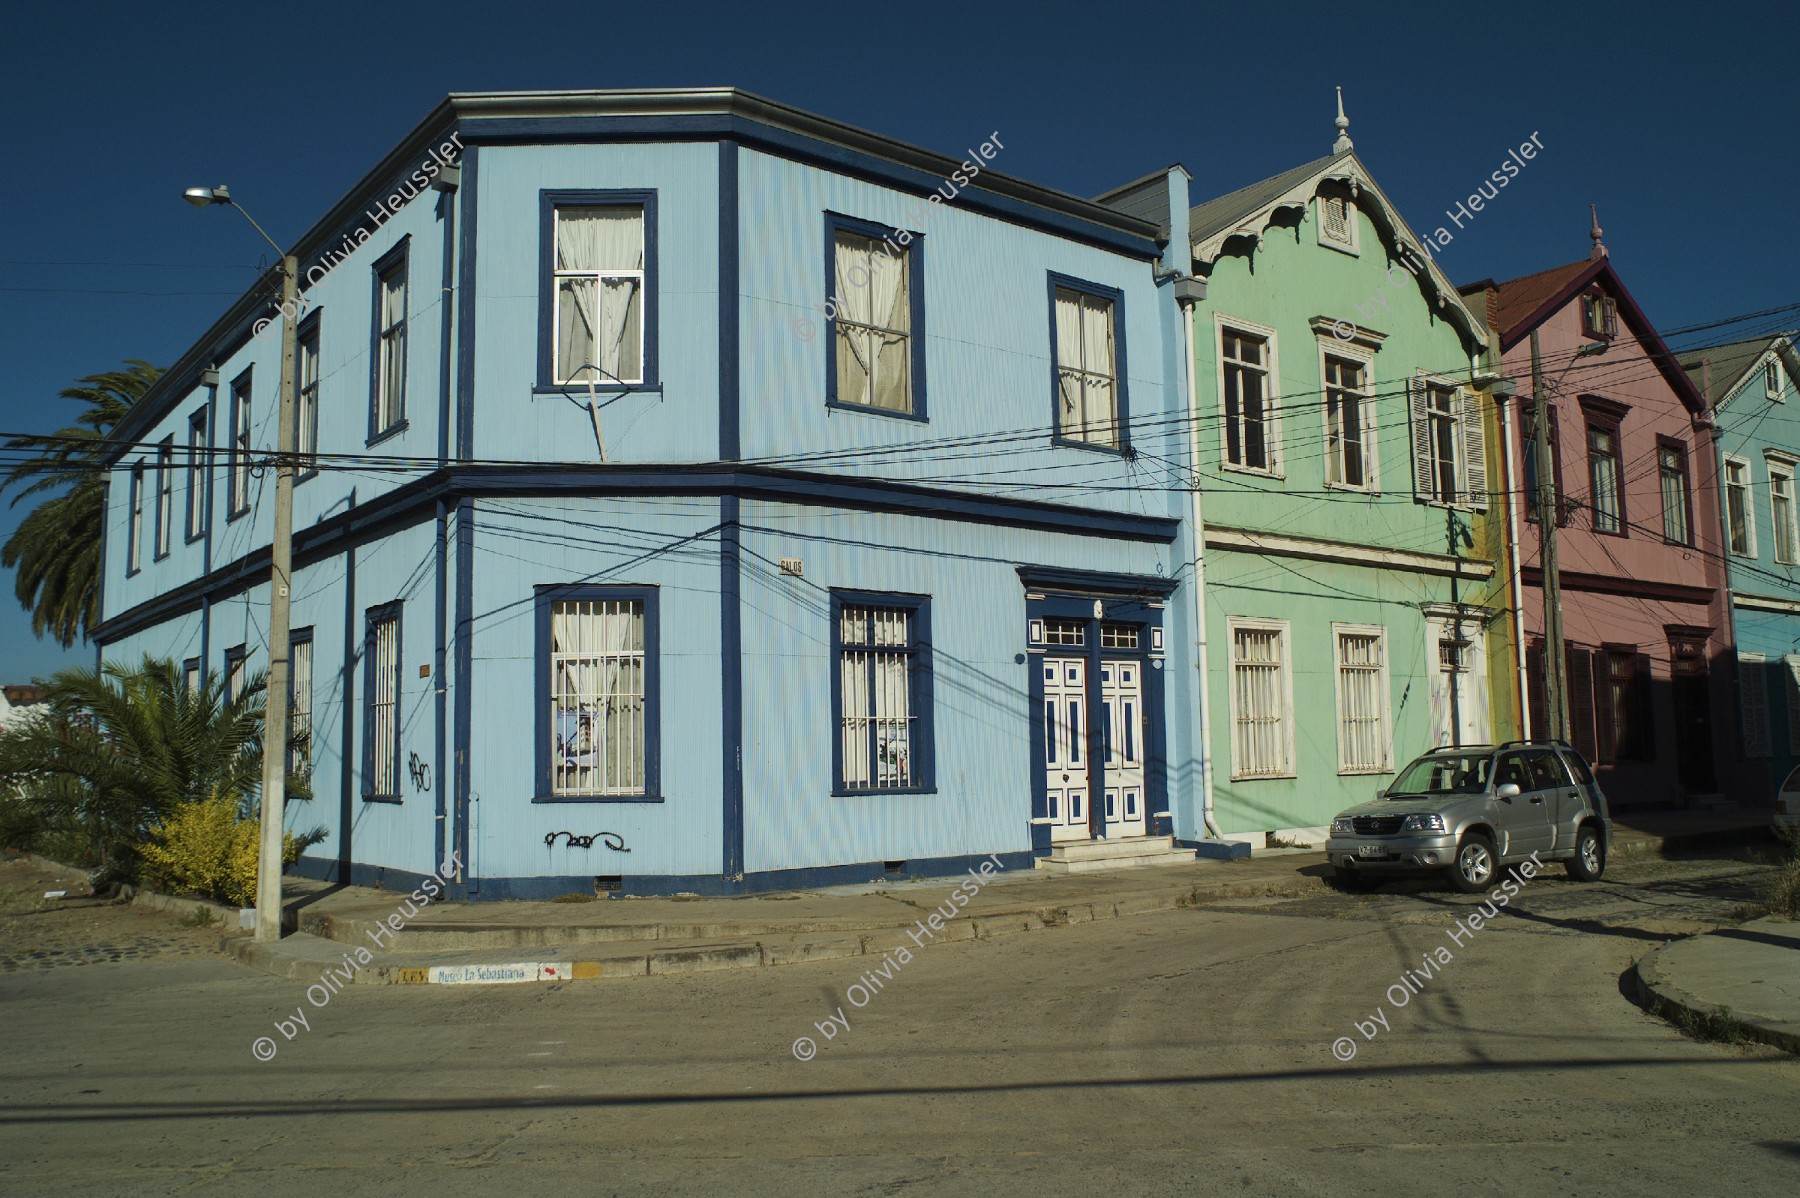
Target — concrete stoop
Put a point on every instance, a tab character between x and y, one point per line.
1127	852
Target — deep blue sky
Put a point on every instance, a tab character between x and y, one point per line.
1678	125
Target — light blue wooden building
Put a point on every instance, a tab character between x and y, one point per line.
699	495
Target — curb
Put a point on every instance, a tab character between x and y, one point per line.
304	956
1648	987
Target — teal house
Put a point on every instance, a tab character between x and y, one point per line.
1340	435
1753	388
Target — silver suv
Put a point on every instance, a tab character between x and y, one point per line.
1473	810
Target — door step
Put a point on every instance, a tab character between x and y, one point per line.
1129	852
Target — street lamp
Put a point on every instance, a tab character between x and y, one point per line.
281	552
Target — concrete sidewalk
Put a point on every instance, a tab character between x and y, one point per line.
555	941
1735	981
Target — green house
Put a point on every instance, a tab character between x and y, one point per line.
1342	438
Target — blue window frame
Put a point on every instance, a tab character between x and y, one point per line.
1087	365
875	313
165	496
381	704
599	694
236	671
190	675
306	399
134	529
237	461
881	694
597	290
197	475
387	344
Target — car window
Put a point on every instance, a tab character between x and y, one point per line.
1460	773
1546	772
1513	769
1578	767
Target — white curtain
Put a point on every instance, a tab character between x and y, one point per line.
599	293
874	325
1085	373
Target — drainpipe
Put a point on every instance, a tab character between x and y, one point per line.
1515	579
1188	293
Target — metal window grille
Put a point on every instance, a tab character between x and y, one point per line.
1246	400
1260	735
1086	369
1453	656
390	327
875	685
1362	707
597	697
1118	636
1065	632
384	708
1344	434
1754	697
300	702
1674	495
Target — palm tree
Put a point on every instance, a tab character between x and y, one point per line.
56	550
120	748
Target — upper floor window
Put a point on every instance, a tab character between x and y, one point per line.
601	277
1348	440
387	390
1671	463
165	496
1599	316
197	474
1772	379
1781	512
134	535
1740	526
598	727
876	308
238	466
1603	478
1449	448
1247	364
1089	394
1529	458
306	441
1337	222
237	672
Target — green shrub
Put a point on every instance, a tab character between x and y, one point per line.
206	848
1782	893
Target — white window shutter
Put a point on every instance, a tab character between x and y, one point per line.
1475	486
1421	437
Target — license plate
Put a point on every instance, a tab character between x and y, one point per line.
1371	850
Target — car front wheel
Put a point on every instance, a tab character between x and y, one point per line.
1473	868
1589	861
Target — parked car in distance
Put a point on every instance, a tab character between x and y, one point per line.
1471	811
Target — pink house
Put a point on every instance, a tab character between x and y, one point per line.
1646	620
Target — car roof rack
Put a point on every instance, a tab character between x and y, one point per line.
1460	748
1561	744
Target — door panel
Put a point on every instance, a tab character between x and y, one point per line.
1525	818
1065	746
1122	694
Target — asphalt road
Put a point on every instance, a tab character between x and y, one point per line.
1188	1052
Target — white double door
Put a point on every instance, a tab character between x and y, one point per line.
1068	743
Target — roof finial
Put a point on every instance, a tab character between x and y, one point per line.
1599	250
1343	124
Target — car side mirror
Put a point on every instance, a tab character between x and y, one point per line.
1506	790
1380	793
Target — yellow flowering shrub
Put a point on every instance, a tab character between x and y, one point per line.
204	848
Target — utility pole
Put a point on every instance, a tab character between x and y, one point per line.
281	556
1547	503
275	699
